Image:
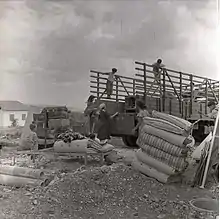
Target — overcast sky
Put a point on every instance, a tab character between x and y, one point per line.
47	48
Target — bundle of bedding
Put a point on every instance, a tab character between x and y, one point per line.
165	146
69	136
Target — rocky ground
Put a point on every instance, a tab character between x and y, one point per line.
95	191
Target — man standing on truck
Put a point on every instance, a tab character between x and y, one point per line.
110	81
157	69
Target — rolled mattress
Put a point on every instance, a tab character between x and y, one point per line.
161	144
178	163
149	171
165	125
172	138
159	166
173	119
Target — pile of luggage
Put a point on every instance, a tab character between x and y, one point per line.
166	145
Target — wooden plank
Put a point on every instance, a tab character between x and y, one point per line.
114	85
212	90
103	88
180	93
98	85
147	81
124	86
173	71
117	89
165	72
145	90
102	73
206	95
105	98
105	79
164	90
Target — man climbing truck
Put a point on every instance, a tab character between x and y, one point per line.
127	90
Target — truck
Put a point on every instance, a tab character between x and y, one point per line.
49	123
184	95
54	120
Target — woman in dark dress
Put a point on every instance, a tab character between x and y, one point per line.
89	112
104	123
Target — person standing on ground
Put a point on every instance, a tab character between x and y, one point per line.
213	110
110	81
142	112
104	126
157	69
89	112
33	139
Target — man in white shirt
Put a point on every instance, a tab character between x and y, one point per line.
110	81
157	68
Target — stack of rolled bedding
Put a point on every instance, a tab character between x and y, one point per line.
165	146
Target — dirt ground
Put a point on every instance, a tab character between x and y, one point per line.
95	191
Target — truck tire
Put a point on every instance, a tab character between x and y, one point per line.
130	140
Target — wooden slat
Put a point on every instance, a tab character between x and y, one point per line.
147	81
94	92
103	88
101	73
105	79
114	85
173	71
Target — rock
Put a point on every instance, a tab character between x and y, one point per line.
161	216
135	214
146	196
35	202
27	194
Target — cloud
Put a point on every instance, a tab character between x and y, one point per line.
52	45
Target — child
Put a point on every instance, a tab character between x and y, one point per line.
33	141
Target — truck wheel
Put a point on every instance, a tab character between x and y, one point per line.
130	140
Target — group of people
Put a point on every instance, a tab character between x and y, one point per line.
99	120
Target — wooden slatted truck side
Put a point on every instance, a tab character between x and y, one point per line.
180	94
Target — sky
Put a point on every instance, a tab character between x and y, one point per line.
47	48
